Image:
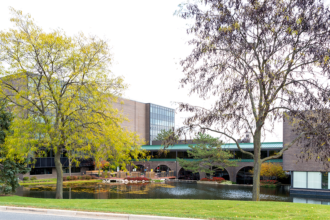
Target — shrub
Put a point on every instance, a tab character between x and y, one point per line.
218	179
137	178
271	182
74	177
26	178
214	179
82	177
88	177
33	178
68	178
94	177
64	178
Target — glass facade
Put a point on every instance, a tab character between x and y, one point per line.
311	180
161	118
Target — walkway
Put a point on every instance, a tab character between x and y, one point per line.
9	212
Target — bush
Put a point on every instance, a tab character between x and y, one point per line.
88	177
137	178
269	182
82	177
68	178
26	178
218	179
94	177
74	177
64	178
33	178
214	179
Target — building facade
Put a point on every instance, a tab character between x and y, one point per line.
146	119
308	177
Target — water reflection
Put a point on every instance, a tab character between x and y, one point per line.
173	190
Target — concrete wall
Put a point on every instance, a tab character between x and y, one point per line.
136	112
291	160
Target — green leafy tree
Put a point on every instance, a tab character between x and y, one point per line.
9	168
207	154
168	138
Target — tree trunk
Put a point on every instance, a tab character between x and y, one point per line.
69	166
59	171
257	166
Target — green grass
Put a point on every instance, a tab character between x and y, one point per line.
53	181
206	209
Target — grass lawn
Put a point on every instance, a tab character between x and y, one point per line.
53	181
207	209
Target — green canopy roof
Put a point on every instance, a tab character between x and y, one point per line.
266	145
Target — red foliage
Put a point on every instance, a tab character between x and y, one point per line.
268	181
74	178
137	178
64	178
215	179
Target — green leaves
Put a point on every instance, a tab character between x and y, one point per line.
207	153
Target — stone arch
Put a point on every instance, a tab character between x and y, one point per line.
187	175
243	176
222	173
162	167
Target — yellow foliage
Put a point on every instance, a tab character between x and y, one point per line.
271	170
62	92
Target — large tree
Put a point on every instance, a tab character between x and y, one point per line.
62	92
10	167
256	59
207	154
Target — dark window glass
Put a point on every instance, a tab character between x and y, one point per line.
240	155
274	152
325	180
263	154
75	169
40	171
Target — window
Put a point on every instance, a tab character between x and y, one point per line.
40	171
314	180
299	179
274	152
325	181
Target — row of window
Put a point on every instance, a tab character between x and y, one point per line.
161	123
311	180
156	109
237	154
41	171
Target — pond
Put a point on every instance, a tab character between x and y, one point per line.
168	190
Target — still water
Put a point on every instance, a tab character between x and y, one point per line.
168	190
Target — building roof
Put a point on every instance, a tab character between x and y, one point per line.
265	145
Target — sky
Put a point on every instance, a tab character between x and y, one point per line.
147	42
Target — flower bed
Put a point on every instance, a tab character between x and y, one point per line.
214	179
269	183
137	179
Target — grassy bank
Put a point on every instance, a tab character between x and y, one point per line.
207	209
30	183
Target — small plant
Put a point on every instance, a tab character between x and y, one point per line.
26	178
64	178
68	178
82	177
88	177
94	177
74	177
137	178
33	178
